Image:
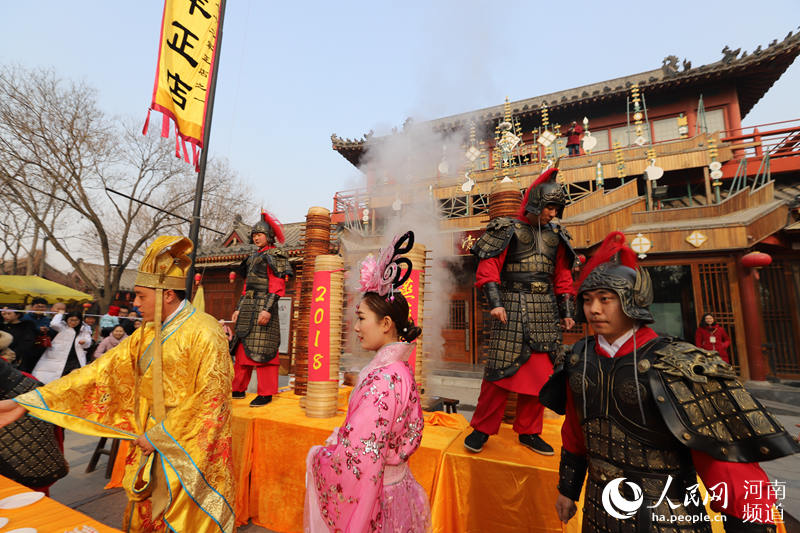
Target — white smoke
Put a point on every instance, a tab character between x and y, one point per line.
401	172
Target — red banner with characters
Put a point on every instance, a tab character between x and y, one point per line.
319	328
411	290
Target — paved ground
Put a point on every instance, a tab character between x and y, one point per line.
85	492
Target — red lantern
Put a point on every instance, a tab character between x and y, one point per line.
232	277
197	278
756	260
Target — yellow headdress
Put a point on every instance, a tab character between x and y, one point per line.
163	267
165	263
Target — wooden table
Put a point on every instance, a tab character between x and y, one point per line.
46	515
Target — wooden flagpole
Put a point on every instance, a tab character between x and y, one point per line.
194	231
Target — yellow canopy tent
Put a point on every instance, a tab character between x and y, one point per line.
21	289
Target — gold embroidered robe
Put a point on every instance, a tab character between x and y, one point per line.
112	397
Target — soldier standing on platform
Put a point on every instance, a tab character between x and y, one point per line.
645	415
525	272
258	332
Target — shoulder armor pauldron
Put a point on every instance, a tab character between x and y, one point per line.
566	239
495	239
279	262
707	409
687	360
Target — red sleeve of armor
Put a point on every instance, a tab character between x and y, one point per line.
750	495
571	432
562	280
489	269
276	285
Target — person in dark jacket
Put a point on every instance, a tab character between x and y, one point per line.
24	333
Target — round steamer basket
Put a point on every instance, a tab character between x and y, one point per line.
504	199
322	399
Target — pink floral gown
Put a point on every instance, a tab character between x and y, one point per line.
360	480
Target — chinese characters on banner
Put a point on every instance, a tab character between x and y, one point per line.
410	289
319	328
464	240
185	58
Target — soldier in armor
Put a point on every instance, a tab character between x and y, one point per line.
646	414
525	273
257	331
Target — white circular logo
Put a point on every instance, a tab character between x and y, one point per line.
616	505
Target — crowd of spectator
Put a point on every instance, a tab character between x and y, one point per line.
51	341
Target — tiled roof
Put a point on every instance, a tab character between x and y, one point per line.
217	252
752	75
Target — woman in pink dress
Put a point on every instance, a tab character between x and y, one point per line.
360	480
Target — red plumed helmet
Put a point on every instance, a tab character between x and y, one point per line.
270	226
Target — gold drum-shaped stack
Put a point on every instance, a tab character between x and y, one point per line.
323	396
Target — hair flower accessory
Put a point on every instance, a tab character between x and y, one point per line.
384	274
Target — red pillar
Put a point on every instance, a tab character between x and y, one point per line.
752	321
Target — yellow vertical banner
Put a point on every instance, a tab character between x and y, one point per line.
189	30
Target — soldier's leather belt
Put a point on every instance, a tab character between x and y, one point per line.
652	483
255	293
536	287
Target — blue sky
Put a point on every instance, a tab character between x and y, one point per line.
292	73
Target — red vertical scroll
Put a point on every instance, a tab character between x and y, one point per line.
319	328
411	290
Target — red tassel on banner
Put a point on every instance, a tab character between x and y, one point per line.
164	126
185	151
196	157
146	123
177	146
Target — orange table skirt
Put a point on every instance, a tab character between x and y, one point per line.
46	515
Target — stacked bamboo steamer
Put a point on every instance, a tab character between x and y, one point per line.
317	242
504	200
323	396
417	258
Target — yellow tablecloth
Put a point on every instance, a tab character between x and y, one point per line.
506	488
46	515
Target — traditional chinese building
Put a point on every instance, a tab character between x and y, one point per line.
671	164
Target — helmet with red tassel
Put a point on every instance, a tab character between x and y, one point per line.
613	267
542	192
269	226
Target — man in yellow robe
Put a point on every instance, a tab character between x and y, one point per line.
167	388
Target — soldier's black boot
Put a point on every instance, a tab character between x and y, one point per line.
536	443
475	441
258	401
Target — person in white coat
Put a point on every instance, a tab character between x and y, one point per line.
68	348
